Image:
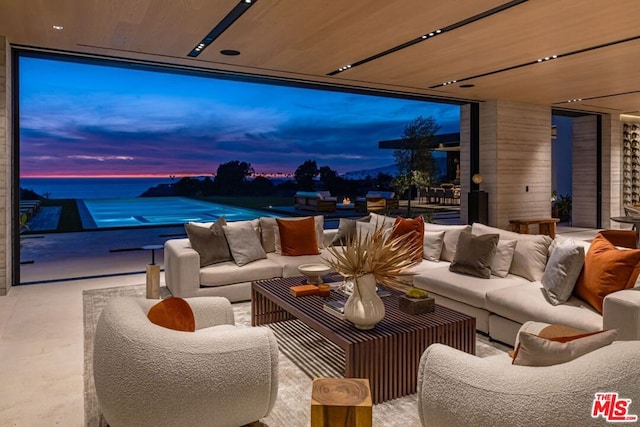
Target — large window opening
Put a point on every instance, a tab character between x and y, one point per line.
96	136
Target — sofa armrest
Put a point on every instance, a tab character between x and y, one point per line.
181	268
621	310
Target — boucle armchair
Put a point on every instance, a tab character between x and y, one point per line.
147	375
459	389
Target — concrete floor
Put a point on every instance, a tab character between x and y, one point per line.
41	342
41	349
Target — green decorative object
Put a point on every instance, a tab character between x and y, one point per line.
413	305
416	293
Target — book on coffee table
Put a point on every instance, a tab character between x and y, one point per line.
334	307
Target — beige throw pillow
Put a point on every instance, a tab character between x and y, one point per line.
533	350
501	262
450	240
381	220
432	247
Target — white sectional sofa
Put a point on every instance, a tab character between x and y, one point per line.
184	277
499	304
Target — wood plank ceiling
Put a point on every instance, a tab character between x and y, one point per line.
597	43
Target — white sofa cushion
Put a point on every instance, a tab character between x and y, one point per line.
530	256
289	264
467	289
527	302
228	272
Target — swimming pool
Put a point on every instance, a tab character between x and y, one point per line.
150	211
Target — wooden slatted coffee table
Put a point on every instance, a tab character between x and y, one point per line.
388	355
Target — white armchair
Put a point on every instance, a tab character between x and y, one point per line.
147	375
459	389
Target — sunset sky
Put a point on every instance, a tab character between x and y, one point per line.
89	120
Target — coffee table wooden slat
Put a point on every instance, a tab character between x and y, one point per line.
388	355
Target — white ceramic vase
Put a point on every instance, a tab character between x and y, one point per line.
364	308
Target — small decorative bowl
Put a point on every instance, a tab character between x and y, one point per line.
314	272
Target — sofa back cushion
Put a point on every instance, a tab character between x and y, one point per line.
298	237
450	240
530	255
607	269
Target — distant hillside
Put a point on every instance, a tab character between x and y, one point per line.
362	174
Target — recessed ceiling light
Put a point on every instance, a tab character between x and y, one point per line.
230	52
58	27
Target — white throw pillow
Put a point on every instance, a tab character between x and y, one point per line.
432	247
562	271
501	262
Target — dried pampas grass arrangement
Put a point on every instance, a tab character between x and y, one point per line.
384	257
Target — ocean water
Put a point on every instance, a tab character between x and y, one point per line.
92	188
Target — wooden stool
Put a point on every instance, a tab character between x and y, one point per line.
341	402
546	226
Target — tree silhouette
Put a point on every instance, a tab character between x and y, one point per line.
415	156
304	175
231	177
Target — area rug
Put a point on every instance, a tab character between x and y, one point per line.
304	354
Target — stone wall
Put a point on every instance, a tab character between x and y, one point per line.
465	161
584	213
515	160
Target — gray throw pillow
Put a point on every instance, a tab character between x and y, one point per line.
347	230
244	244
474	254
209	242
562	271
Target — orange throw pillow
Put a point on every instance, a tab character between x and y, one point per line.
298	237
622	238
173	313
606	270
414	226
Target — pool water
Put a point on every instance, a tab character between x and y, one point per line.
150	211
